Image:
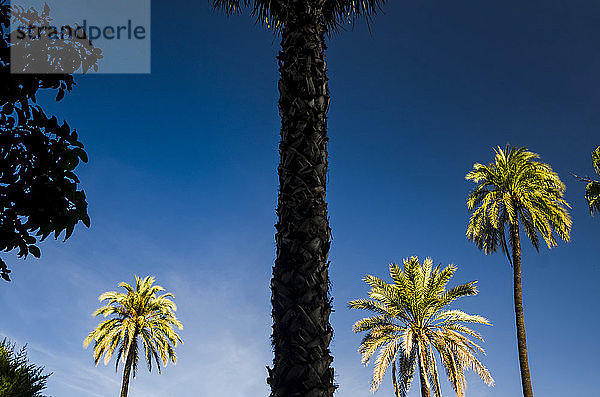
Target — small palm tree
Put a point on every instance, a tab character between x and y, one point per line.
411	321
138	313
517	191
592	190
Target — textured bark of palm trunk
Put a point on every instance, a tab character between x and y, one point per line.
300	283
519	315
423	376
126	373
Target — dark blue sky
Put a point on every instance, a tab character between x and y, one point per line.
182	185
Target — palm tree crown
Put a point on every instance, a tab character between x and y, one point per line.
138	312
333	14
412	320
516	187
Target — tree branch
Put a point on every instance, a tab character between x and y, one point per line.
587	179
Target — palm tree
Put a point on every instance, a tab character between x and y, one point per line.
300	283
411	321
592	190
517	191
138	313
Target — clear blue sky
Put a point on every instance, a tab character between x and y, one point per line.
182	185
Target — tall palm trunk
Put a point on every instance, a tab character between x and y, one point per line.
300	283
423	375
127	370
519	316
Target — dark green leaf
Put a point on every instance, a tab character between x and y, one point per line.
60	95
35	251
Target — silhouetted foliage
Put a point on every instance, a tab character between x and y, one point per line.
18	377
592	190
38	156
39	45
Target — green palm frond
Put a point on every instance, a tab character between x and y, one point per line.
432	372
412	316
406	371
447	297
464	352
453	316
369	304
596	160
438	280
387	354
592	190
516	189
592	195
373	341
369	323
137	313
408	340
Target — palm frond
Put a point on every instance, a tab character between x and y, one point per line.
369	323
592	195
432	372
453	316
371	305
406	371
386	355
447	297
